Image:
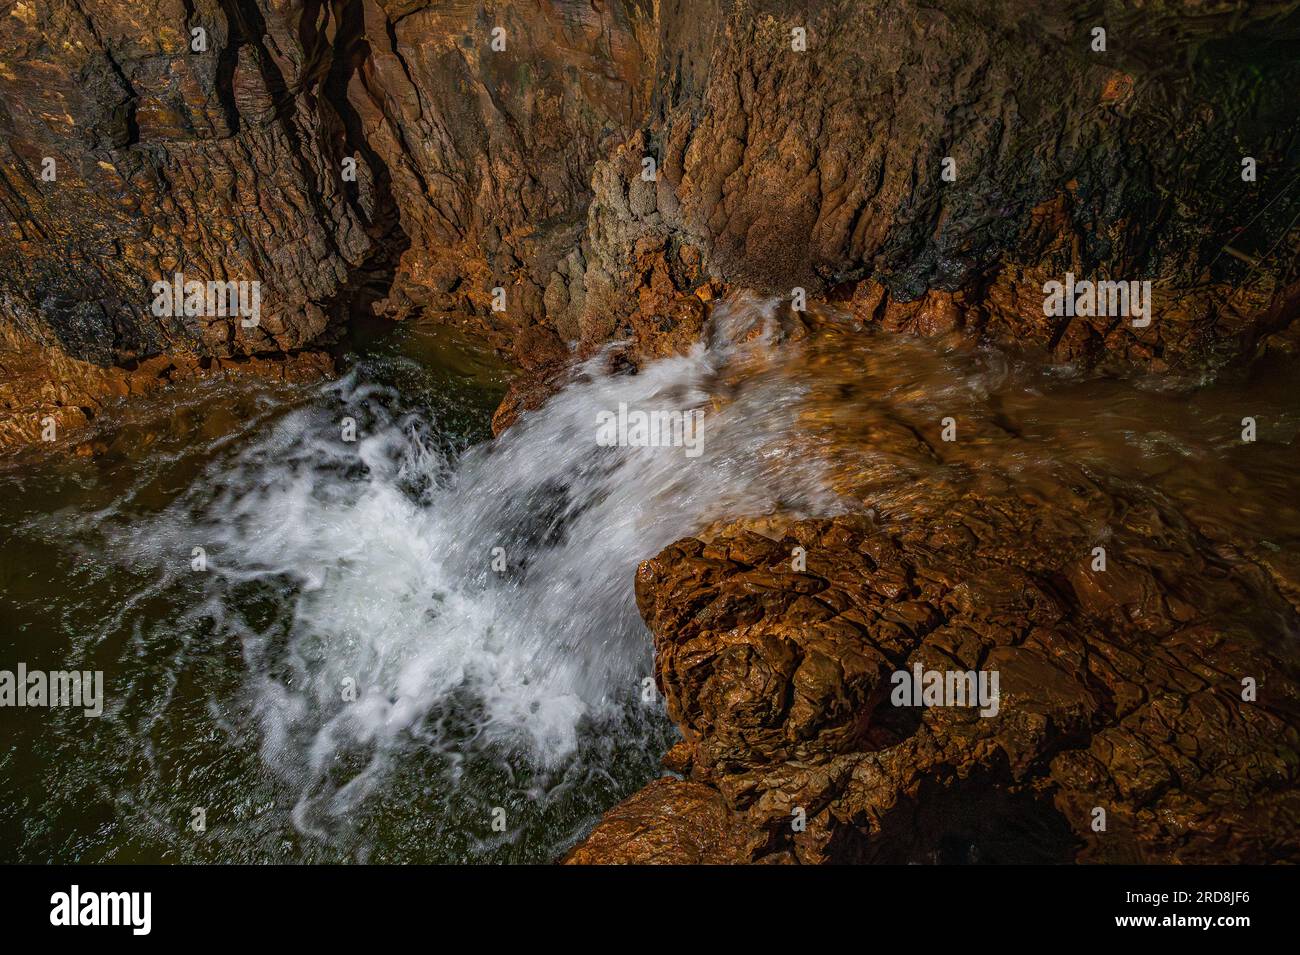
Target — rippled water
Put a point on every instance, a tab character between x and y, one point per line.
399	639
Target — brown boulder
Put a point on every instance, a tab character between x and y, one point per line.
781	680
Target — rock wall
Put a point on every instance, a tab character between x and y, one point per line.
519	168
128	156
221	164
825	169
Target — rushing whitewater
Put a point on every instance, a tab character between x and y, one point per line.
494	585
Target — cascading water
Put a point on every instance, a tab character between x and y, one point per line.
406	606
497	582
399	641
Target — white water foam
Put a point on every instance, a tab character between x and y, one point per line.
387	546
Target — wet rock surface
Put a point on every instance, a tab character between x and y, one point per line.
521	168
669	822
1119	690
48	396
1108	553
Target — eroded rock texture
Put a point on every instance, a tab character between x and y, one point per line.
823	170
221	165
521	169
1119	690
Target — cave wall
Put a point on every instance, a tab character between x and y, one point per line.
220	165
823	169
521	169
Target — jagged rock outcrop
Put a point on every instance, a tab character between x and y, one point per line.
134	149
824	170
520	168
1120	690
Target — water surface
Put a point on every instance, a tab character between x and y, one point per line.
399	639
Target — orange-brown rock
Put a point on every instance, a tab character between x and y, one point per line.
1120	691
669	822
522	167
47	395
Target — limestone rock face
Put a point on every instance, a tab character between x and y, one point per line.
937	163
1119	691
931	163
145	140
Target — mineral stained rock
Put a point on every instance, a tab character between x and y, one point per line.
1119	691
931	163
